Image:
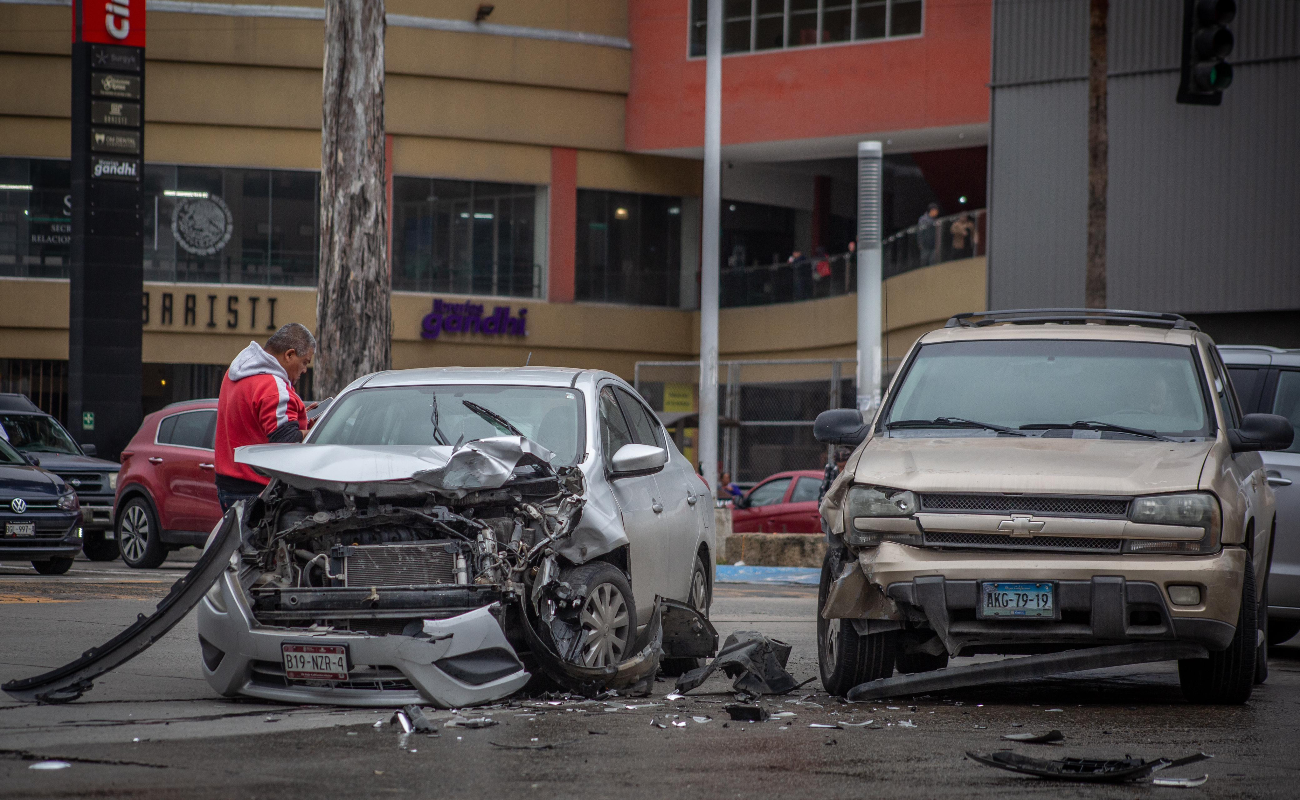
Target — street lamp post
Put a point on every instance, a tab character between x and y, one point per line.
708	430
869	278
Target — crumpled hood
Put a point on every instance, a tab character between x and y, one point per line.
1031	464
395	470
253	360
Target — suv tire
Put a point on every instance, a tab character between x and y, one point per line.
100	546
1227	676
54	566
845	657
700	599
138	535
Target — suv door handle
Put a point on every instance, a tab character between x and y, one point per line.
155	460
207	466
657	507
1276	479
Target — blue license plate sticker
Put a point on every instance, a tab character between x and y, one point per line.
1018	600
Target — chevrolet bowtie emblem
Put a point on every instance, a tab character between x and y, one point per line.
1021	525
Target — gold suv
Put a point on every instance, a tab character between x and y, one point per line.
1045	480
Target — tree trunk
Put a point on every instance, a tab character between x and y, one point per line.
353	300
1098	155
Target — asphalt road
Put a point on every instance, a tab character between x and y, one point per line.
155	729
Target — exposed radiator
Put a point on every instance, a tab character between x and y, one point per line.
411	564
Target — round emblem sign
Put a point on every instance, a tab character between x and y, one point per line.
19	505
202	225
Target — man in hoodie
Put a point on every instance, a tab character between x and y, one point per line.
259	406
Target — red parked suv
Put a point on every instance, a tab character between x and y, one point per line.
166	492
782	503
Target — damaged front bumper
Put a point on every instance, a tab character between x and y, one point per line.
462	660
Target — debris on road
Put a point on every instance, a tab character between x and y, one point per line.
748	713
1084	770
755	663
475	723
1181	783
45	765
1051	737
419	722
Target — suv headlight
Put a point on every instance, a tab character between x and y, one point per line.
68	502
865	504
112	481
1191	509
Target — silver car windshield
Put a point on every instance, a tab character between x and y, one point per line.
405	415
1037	385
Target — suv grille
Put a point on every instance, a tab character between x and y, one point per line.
89	482
992	541
1027	504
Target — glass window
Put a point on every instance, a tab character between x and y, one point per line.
468	237
628	248
645	428
1287	403
165	430
1246	381
446	414
752	25
614	432
36	433
35	217
193	429
806	490
768	494
1152	387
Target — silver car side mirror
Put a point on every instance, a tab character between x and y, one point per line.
638	458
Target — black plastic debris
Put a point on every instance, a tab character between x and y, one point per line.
476	723
755	662
1051	737
747	713
1083	770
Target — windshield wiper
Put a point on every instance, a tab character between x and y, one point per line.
437	432
1094	425
492	417
950	422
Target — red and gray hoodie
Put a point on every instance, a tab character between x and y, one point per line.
257	406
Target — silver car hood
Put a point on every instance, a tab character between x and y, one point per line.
395	470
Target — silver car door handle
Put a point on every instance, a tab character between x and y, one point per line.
155	460
690	499
1276	479
207	466
657	507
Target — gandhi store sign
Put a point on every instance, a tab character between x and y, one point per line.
469	318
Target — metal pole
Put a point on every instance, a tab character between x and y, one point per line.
869	278
708	433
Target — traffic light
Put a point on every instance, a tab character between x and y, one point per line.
1207	41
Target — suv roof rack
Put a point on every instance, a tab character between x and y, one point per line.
1070	316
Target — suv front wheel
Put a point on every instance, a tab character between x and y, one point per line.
138	535
846	657
1227	676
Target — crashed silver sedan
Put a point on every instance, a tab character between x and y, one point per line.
448	536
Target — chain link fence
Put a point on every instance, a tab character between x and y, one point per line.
766	409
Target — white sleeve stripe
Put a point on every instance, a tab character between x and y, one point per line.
282	406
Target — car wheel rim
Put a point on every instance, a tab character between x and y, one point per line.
134	533
832	643
699	592
605	627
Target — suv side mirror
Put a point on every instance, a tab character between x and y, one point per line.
1261	432
31	459
638	458
840	426
89	449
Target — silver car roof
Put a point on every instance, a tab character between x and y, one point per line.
1258	355
527	376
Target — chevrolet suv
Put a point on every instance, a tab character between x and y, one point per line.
1045	480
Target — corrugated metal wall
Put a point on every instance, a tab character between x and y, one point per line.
1203	201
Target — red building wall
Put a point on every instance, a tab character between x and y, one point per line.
934	80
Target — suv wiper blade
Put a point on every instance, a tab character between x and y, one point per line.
1094	425
492	417
951	422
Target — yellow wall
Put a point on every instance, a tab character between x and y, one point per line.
34	321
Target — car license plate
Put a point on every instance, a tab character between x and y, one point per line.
315	662
20	529
1020	600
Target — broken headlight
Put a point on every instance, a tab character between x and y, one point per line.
874	514
1189	510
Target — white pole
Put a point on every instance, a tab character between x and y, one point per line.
707	449
869	278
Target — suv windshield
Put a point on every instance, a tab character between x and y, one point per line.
406	415
33	433
1034	385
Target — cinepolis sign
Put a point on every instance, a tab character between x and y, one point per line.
469	318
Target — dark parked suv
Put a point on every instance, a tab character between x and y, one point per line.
34	433
39	515
167	493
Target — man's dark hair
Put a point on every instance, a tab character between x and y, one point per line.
292	336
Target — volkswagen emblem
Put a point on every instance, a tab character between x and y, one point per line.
19	505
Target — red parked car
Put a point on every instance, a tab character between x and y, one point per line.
167	491
783	503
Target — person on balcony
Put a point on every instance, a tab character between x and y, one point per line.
965	236
927	237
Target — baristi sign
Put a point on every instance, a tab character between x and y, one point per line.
469	318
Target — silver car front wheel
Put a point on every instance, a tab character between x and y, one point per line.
606	626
